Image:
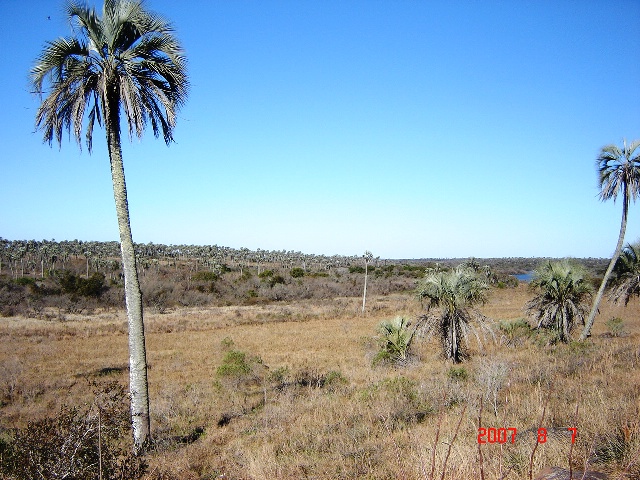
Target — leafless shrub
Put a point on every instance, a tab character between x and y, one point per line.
492	375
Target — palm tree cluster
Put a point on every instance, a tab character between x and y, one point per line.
564	291
27	256
450	300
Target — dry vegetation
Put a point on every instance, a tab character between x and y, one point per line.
288	391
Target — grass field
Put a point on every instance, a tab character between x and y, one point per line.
289	391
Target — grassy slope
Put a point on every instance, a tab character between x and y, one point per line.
291	417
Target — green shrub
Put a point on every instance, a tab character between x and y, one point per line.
386	271
275	280
266	274
335	379
415	271
93	286
515	331
25	281
297	272
458	373
234	364
205	276
615	326
279	375
246	275
356	269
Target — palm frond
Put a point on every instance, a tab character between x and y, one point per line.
129	55
563	296
625	283
619	170
450	298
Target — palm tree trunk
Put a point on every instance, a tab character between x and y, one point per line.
596	302
454	340
364	295
138	384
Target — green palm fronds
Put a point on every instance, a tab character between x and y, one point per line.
128	60
564	292
619	170
450	298
395	340
626	280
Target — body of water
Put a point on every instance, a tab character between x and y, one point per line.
524	277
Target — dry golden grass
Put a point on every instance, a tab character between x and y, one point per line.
316	408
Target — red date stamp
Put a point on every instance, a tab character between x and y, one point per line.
504	435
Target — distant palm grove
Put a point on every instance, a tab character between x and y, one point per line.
191	275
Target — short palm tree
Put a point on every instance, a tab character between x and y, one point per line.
564	292
625	282
618	173
451	296
395	340
128	64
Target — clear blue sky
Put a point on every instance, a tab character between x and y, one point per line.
408	128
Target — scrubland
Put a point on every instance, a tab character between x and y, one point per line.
286	389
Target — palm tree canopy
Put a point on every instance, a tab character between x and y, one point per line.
626	279
126	60
453	290
564	292
454	294
619	170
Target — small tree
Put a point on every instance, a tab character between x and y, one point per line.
563	296
451	297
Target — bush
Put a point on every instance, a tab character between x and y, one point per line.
80	442
297	272
615	326
205	276
234	364
515	331
458	373
86	287
25	281
356	269
277	279
265	274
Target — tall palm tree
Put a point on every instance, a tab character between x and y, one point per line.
126	62
618	172
564	293
453	294
625	283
